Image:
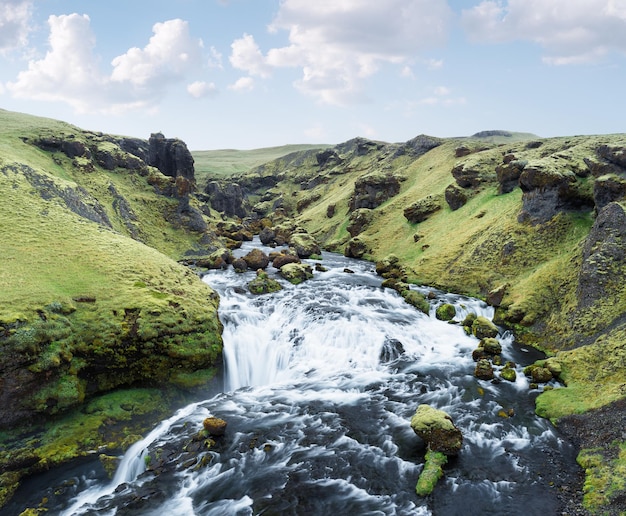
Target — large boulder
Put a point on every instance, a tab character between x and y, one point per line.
356	248
607	189
359	220
304	245
484	328
263	284
296	273
437	430
508	173
455	196
257	259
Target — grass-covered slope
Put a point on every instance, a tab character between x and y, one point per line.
226	162
536	226
92	299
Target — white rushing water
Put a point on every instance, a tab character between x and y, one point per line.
321	380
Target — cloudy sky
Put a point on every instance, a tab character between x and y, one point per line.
255	73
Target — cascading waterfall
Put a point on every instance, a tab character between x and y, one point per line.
321	380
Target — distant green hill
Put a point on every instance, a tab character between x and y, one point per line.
226	162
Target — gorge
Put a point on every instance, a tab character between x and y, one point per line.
106	327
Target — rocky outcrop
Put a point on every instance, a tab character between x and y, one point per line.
418	146
607	189
549	189
420	210
75	198
227	198
171	156
509	172
359	220
372	190
604	256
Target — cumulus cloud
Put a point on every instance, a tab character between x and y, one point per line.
15	18
570	32
70	70
242	84
200	89
247	56
338	44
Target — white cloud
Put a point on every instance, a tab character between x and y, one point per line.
338	44
200	89
70	70
169	55
15	18
247	56
569	31
242	84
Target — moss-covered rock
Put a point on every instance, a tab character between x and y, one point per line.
257	259
304	245
437	430
484	328
445	312
508	373
484	370
296	273
432	472
263	284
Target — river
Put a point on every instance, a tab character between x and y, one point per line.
321	380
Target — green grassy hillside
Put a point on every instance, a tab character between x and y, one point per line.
92	299
541	242
226	162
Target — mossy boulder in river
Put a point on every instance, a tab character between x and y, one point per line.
445	312
483	327
437	430
296	273
263	284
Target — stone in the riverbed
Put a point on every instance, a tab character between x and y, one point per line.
214	426
432	472
483	370
263	284
437	430
508	373
491	346
296	272
445	312
483	327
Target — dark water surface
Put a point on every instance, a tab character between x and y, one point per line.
321	380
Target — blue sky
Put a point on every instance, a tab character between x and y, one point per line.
256	73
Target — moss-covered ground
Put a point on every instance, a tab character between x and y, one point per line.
92	299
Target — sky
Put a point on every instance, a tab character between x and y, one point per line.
245	74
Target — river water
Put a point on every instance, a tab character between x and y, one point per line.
321	380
